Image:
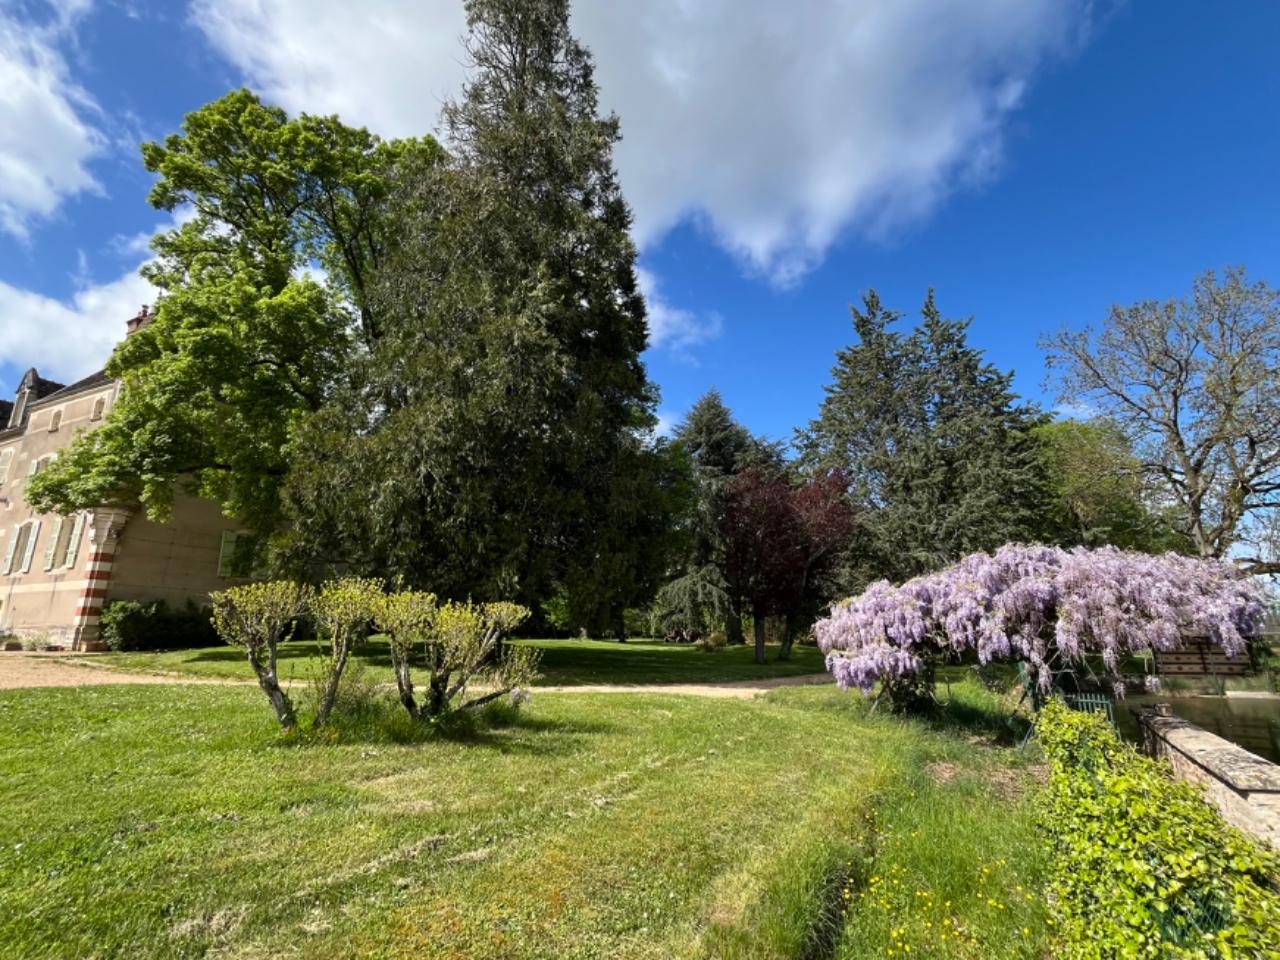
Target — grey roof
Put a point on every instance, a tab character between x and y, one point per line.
62	392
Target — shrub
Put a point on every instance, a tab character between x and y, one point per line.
257	617
343	610
1144	867
461	646
36	642
133	625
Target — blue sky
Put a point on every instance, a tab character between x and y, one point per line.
1034	160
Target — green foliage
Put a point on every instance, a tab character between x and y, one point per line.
457	645
243	343
937	449
257	617
694	606
1144	867
501	423
131	625
1098	493
702	596
343	610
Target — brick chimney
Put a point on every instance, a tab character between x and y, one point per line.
137	323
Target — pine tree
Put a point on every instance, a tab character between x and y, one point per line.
937	449
501	416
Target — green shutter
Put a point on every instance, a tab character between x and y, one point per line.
227	553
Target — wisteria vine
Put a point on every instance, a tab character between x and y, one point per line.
1026	602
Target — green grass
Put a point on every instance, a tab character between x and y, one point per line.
175	822
564	662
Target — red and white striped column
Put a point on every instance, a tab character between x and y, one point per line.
105	524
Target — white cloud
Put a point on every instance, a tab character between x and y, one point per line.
45	140
667	423
68	340
779	127
674	328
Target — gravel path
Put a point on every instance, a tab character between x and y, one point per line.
20	670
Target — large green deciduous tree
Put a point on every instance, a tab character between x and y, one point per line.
244	341
1098	492
1195	384
937	449
497	430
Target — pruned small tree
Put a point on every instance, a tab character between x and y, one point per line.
462	648
406	617
257	617
343	610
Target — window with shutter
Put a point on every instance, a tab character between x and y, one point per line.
32	467
14	542
29	550
98	406
227	553
57	543
6	461
73	542
55	421
238	554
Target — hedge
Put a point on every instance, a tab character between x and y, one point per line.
130	625
1143	866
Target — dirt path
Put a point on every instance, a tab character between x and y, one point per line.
21	670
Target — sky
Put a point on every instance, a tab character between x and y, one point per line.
1035	161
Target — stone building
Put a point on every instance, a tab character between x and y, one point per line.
57	572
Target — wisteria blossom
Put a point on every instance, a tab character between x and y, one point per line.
1046	606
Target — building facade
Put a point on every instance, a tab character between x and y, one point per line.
57	572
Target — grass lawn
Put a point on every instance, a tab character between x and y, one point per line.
564	662
174	821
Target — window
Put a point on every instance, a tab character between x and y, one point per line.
55	555
72	548
6	461
55	421
99	406
237	556
22	547
42	463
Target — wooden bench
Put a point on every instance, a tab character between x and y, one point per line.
1201	658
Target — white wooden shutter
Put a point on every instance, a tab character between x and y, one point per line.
227	553
54	537
73	544
13	547
32	536
6	461
33	466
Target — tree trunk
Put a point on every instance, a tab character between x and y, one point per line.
270	685
330	695
788	638
733	625
759	632
404	682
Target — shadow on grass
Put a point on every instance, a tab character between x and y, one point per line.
499	727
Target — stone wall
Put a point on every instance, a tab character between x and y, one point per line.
1245	788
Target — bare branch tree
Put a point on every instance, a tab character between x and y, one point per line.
1195	382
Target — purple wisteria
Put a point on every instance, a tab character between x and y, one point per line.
1028	602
